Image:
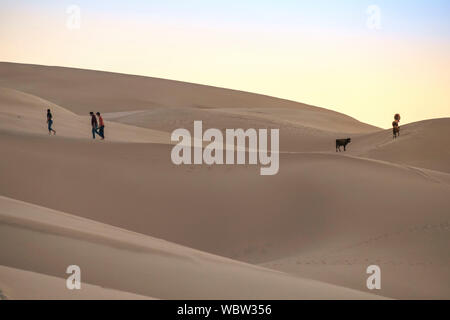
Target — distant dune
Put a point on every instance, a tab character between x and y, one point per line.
112	92
321	221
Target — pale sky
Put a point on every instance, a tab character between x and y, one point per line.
367	59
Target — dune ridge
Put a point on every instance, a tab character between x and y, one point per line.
113	92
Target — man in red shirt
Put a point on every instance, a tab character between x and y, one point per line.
101	128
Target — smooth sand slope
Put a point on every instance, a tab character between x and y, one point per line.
318	203
25	113
112	92
325	216
165	105
424	144
47	241
17	284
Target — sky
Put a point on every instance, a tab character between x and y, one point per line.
367	59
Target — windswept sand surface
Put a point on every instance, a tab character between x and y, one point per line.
112	92
325	217
22	113
424	144
25	285
166	105
47	241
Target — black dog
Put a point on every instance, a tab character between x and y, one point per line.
342	142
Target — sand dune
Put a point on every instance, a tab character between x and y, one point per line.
424	144
112	92
48	241
318	203
166	105
18	284
163	106
414	260
325	216
24	113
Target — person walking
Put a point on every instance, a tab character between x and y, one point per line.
50	122
94	124
396	126
101	126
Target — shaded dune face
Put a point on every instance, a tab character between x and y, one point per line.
324	216
229	210
115	262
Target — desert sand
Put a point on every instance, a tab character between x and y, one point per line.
142	227
127	261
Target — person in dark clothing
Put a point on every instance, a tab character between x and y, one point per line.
50	122
101	128
396	126
94	125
